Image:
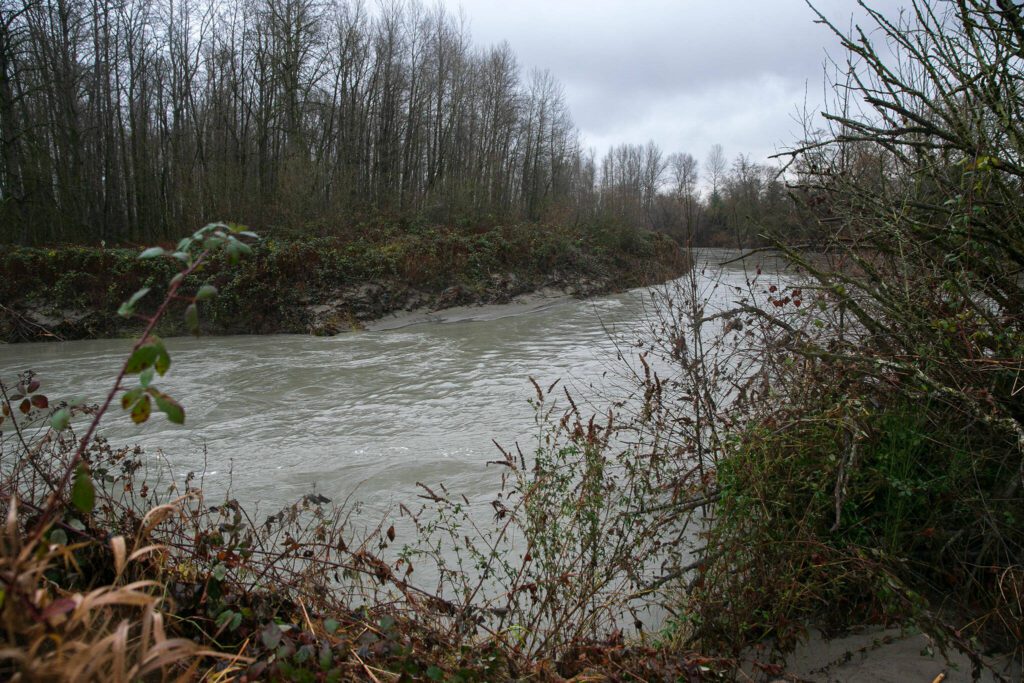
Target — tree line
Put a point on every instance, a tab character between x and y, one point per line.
125	120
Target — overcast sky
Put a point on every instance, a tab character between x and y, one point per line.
684	73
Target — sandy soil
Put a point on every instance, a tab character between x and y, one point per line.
886	656
526	303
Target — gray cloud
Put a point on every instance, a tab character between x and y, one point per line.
685	73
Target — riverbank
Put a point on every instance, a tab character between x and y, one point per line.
327	285
280	629
873	654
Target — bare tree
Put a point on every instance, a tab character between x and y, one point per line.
124	120
715	166
685	175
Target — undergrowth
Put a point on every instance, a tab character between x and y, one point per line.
834	443
69	292
114	570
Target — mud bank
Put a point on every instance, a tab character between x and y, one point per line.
324	286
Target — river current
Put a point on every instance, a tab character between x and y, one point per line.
367	414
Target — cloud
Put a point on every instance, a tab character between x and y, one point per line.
740	115
685	73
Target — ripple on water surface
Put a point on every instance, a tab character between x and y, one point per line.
379	410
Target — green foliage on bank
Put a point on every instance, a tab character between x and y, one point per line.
878	474
859	512
74	291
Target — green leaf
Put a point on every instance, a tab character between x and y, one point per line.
169	407
435	674
83	494
142	409
271	636
224	617
59	537
237	249
326	657
219	572
177	279
163	362
129	397
207	228
192	319
163	359
128	307
236	621
152	252
206	292
331	625
146	377
61	418
242	247
182	256
134	298
141	358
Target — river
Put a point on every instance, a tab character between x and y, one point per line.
370	414
366	414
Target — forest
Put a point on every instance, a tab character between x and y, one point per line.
124	121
